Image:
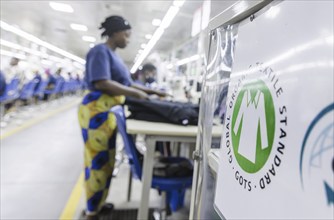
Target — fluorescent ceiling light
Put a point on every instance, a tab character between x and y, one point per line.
156	22
166	21
38	41
79	27
188	60
169	66
156	36
148	36
61	7
10	44
91	45
143	46
171	13
178	3
11	54
88	38
18	47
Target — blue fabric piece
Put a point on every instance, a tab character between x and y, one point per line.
98	120
87	173
100	160
103	64
93	202
84	134
52	80
112	141
175	199
92	96
108	182
37	79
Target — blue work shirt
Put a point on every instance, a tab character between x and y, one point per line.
104	64
51	80
38	80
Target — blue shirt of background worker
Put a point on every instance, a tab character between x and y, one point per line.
104	64
37	79
51	80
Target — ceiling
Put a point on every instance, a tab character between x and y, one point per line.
40	20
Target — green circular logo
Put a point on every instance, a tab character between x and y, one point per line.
253	126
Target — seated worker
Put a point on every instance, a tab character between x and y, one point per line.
77	78
138	78
147	76
149	72
58	74
51	80
108	80
37	78
15	70
70	77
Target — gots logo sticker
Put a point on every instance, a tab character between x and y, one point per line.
253	126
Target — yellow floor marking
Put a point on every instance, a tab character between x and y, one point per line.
73	201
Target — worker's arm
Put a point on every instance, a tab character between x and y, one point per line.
114	88
148	90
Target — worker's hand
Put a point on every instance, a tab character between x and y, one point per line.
163	94
140	94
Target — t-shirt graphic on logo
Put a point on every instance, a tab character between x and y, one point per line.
253	126
252	114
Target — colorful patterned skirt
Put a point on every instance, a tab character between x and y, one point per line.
98	127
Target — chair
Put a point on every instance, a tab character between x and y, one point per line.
39	92
173	186
57	89
12	92
10	95
27	91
